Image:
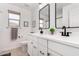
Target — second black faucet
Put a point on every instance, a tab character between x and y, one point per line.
65	33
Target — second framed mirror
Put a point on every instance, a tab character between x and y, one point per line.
44	17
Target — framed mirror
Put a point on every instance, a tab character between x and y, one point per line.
66	14
44	17
61	15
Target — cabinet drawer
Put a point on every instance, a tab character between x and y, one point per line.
63	49
42	41
35	50
33	38
53	53
35	44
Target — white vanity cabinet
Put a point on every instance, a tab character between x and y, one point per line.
37	46
63	49
41	46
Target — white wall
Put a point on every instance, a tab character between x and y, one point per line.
35	17
5	40
52	15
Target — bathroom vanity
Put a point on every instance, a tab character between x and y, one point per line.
57	45
52	45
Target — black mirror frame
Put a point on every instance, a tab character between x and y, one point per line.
48	16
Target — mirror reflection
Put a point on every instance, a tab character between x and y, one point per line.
44	19
61	18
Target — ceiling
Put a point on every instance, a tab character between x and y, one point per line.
32	6
26	5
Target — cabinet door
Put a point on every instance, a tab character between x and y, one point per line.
63	49
42	50
42	41
33	46
42	47
35	51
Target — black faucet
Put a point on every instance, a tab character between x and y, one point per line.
65	33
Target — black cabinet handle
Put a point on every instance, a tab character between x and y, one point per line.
41	52
31	42
19	37
48	54
34	46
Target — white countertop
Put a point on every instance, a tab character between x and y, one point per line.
71	40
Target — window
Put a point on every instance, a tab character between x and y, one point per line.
14	18
41	23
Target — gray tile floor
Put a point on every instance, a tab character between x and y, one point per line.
18	52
